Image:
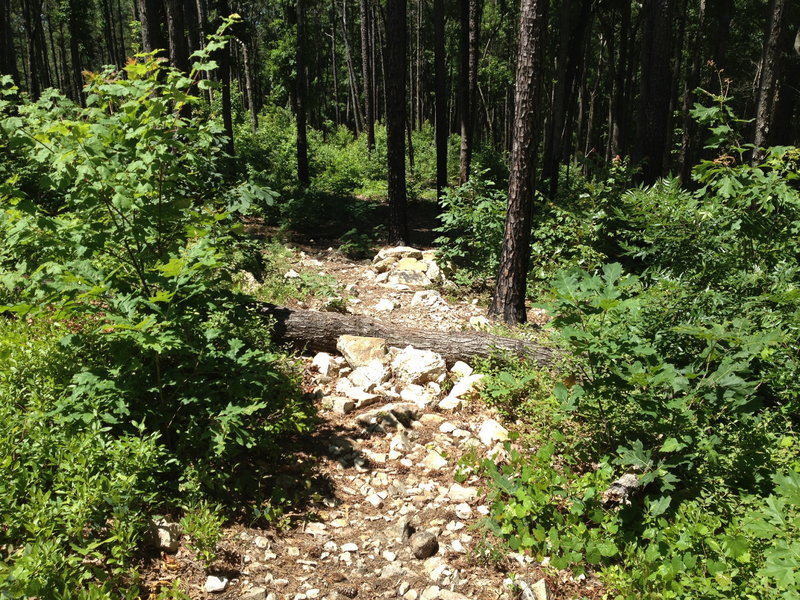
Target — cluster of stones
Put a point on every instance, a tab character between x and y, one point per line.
407	267
398	525
369	372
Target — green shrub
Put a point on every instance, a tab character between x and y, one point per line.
155	376
72	499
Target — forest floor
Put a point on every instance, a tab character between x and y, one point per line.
376	481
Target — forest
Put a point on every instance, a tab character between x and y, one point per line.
615	184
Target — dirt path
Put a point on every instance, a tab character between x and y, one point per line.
397	514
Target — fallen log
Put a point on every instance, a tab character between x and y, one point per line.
318	331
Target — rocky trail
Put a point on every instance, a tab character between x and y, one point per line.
397	515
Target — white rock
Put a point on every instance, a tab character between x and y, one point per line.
165	535
375	500
460	369
401	443
359	351
491	432
370	375
215	584
447	427
537	591
408	278
323	363
434	273
343	385
449	595
451	403
255	593
467	387
343	406
457	546
397	251
362	398
425	298
430	593
421	396
434	461
383	265
480	322
261	542
459	493
431	419
418	366
291	274
389	556
385	305
350	547
315	529
463	511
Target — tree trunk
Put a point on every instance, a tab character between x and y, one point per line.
178	49
768	81
300	97
656	85
75	22
688	152
319	332
8	55
440	97
395	85
150	19
354	94
468	80
334	68
367	73
508	302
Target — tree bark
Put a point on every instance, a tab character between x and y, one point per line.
319	332
395	85
334	73
468	80
75	23
150	18
656	85
768	81
300	97
368	72
178	47
440	99
8	55
508	302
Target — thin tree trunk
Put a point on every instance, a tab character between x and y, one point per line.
395	86
468	81
354	93
367	72
440	99
178	49
150	18
8	54
619	117
508	302
334	69
300	97
656	84
768	81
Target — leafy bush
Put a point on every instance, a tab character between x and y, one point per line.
73	498
682	375
161	377
472	220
